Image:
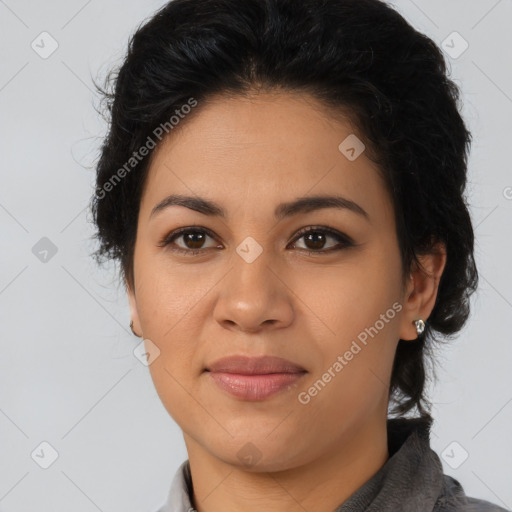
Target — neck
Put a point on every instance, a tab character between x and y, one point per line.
321	484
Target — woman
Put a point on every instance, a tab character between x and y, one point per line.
283	185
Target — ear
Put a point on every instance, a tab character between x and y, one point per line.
134	314
421	290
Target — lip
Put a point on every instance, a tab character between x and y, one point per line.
254	378
246	365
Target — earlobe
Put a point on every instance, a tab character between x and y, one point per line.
422	290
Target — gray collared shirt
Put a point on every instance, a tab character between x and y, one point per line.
411	480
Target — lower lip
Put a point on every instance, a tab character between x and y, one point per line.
254	387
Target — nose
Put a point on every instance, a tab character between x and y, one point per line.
253	297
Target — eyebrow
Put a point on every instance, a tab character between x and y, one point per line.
301	205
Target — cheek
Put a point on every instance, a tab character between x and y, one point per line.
168	294
176	392
360	305
350	298
168	308
168	303
353	379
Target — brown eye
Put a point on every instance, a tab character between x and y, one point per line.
193	240
315	239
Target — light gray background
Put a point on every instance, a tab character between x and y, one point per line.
67	372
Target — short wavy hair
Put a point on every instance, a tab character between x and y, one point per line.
358	58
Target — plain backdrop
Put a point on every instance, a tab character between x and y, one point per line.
68	376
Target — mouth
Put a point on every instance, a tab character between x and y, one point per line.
254	378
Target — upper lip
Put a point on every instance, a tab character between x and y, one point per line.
246	365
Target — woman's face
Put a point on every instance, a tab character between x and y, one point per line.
251	288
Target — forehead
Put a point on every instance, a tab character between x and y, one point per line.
269	148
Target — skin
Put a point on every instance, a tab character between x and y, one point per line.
249	154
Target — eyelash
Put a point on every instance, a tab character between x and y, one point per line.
340	237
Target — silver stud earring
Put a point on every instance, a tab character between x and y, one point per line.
420	326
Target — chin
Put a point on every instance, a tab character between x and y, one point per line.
260	452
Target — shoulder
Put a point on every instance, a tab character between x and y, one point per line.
454	499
